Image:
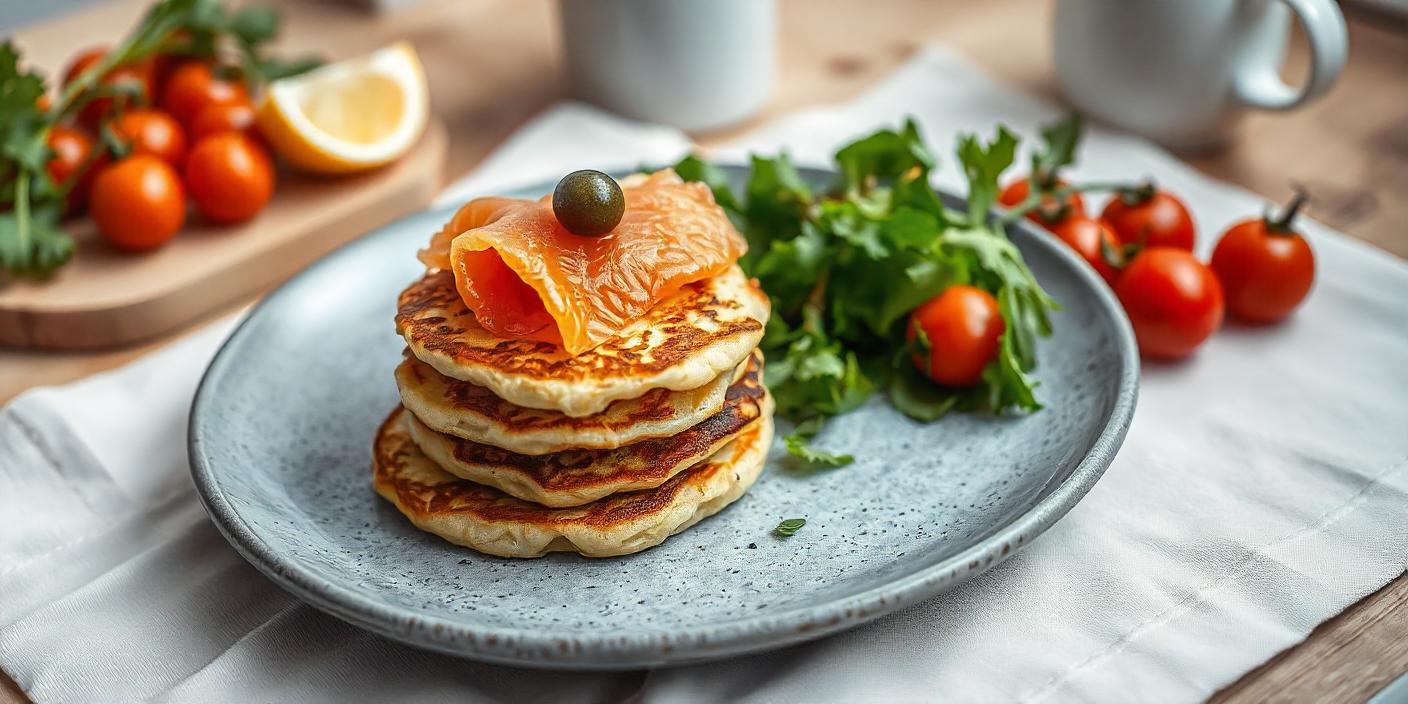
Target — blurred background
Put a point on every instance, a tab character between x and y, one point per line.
492	64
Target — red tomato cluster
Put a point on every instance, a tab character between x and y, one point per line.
186	130
1142	245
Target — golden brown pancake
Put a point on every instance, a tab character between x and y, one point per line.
473	412
575	477
684	342
493	522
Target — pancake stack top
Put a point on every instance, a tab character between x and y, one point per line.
514	447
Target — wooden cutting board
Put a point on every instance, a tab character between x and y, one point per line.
105	297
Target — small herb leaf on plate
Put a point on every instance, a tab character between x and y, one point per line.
798	447
789	527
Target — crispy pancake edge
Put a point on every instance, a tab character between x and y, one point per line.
617	525
672	347
462	409
574	477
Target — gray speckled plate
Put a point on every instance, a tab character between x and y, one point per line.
280	448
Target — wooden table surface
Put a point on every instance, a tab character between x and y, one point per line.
493	64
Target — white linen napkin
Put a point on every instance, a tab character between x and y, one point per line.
1262	488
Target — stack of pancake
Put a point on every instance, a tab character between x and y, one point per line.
514	447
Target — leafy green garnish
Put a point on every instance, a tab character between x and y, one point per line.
1058	150
789	527
206	28
693	168
983	163
797	446
31	242
883	156
844	267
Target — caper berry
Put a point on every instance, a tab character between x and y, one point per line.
588	203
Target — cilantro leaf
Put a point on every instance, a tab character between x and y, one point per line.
273	69
776	204
19	113
817	376
776	191
31	242
34	246
1060	140
883	157
693	168
789	527
797	445
983	164
255	24
792	267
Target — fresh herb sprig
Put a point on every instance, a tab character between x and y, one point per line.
844	268
31	241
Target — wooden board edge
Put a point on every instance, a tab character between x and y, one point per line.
130	322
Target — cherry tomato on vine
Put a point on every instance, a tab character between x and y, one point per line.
1093	240
138	203
72	149
1150	217
82	61
152	132
194	86
1018	191
140	73
1173	301
961	328
168	58
214	119
1265	266
229	176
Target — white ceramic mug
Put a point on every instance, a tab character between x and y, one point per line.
693	64
1181	71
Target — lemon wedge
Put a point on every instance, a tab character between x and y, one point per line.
349	116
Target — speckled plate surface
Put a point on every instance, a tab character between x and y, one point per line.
280	449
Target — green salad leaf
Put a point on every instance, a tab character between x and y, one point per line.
1058	150
845	266
797	446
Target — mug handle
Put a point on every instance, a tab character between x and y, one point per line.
1262	87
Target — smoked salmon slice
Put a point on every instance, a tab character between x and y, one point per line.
524	275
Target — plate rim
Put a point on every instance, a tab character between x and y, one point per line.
697	643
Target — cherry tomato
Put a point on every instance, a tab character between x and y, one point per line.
1150	218
1266	267
140	73
152	132
230	177
138	203
1017	191
169	56
72	148
962	326
1090	238
213	119
44	103
1174	302
193	86
82	61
